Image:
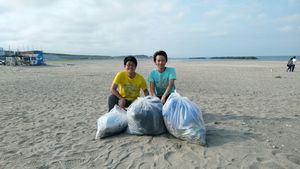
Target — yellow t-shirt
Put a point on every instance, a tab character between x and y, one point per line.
130	88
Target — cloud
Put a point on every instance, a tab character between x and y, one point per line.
292	2
212	13
118	27
295	18
218	33
288	23
286	28
110	24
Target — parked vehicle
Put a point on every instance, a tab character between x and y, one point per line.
2	62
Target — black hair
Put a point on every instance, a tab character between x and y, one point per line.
160	52
130	58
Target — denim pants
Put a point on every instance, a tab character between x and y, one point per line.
114	100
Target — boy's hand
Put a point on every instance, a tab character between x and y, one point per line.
122	103
163	100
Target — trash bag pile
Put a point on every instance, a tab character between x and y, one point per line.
145	116
113	122
183	119
148	116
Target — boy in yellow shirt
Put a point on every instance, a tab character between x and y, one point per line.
126	85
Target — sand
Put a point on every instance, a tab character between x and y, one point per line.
251	110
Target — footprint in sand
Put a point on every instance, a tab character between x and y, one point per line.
72	163
293	158
259	159
171	157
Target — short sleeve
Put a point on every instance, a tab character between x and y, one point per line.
150	77
143	84
172	74
117	78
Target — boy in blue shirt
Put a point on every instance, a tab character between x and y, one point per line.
162	79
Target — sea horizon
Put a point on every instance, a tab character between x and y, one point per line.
211	58
261	58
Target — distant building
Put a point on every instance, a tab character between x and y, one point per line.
2	57
1	52
10	58
30	57
24	58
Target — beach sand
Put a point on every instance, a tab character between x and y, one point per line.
251	110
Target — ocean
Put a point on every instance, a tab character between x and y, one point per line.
274	58
262	58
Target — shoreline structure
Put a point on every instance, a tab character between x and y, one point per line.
58	56
73	56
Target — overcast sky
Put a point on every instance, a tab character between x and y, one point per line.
183	28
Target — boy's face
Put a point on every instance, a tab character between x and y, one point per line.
160	61
130	67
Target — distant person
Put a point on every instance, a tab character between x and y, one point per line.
289	65
126	85
294	63
162	78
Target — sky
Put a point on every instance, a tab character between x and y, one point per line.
193	28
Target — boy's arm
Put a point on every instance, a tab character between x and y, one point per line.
115	92
164	96
152	89
146	92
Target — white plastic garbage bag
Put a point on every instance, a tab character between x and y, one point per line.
183	119
145	116
113	122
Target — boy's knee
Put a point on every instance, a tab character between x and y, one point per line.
112	101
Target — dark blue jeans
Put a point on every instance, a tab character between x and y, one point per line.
166	98
293	67
114	100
